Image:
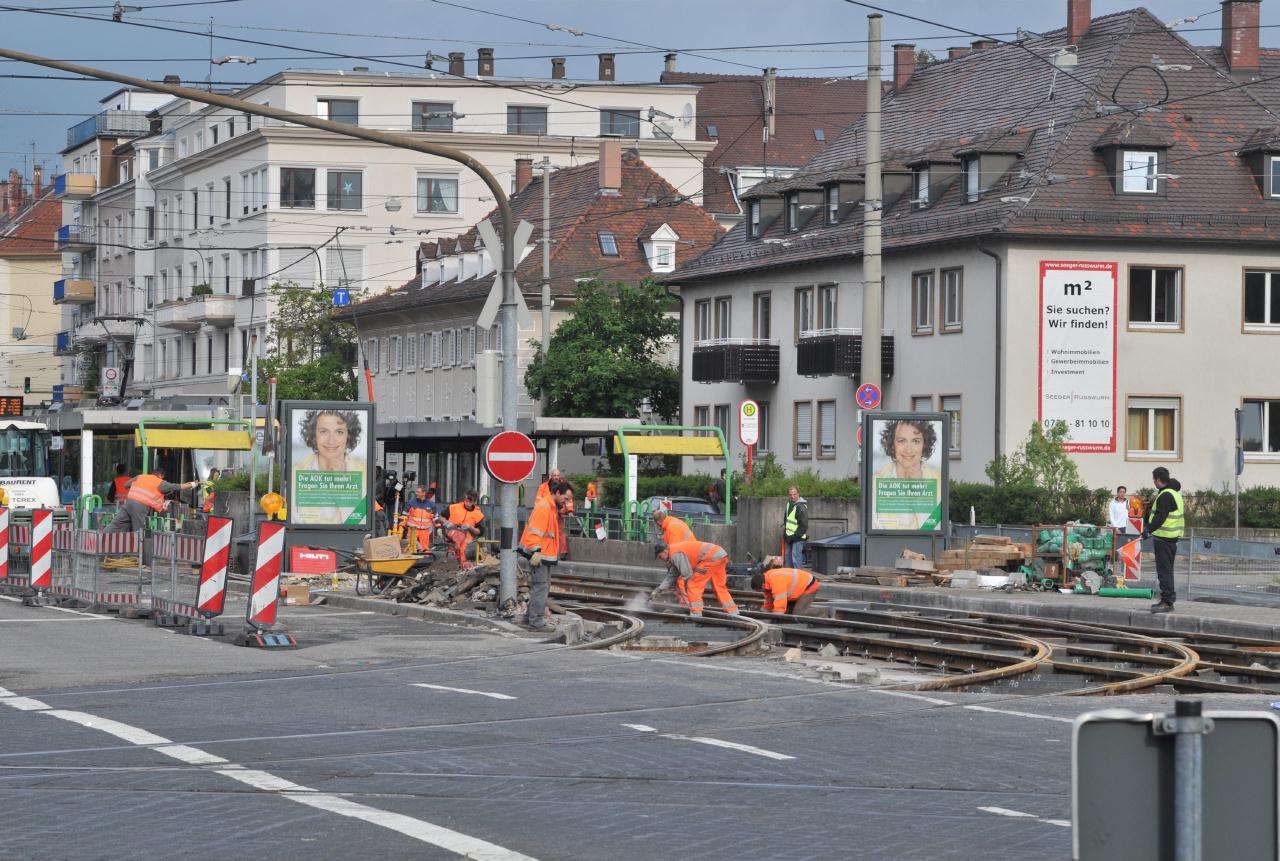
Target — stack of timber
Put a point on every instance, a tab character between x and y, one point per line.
985	551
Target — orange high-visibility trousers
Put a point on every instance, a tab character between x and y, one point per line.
421	539
717	571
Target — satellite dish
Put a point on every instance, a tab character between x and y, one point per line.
686	115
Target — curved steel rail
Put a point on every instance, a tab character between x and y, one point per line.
633	628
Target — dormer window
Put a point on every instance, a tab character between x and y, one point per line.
1139	172
833	204
793	212
660	249
1273	179
973	180
753	219
920	187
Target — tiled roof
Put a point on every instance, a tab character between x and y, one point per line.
734	105
579	212
1012	91
31	234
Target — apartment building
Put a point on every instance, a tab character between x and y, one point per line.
29	215
1064	239
197	215
435	370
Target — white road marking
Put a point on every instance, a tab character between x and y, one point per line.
714	742
911	696
417	829
1018	814
326	615
35	621
463	691
1019	714
10	598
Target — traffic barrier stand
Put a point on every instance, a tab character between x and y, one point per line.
189	577
63	586
108	572
18	550
264	593
4	549
41	558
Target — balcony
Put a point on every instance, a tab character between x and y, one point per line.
73	291
98	330
129	124
735	360
75	237
188	315
838	352
66	344
75	186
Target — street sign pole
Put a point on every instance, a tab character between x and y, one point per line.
749	428
1239	464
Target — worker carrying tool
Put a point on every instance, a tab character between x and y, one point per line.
420	516
540	544
467	515
690	564
786	590
144	494
674	530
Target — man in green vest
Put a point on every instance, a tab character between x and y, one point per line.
1164	525
795	529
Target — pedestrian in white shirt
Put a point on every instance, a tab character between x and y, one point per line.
1118	513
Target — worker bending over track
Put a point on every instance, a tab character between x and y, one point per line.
690	564
786	590
143	495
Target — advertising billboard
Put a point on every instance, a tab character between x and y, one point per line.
329	463
906	472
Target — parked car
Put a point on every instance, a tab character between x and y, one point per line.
681	506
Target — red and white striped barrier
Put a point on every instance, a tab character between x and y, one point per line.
264	592
4	544
212	592
264	595
41	548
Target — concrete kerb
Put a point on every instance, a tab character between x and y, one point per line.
419	611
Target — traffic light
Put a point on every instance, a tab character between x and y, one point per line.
26	385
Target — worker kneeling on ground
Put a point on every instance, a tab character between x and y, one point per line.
786	590
674	530
143	495
690	564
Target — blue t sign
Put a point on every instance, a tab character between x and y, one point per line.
341	297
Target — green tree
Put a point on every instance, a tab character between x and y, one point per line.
1042	463
308	352
604	360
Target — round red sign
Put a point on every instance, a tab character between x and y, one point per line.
510	457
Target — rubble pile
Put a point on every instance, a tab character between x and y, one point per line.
444	583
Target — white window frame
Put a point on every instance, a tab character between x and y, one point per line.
953	406
450	349
973	180
437	350
1274	188
411	352
1138	171
832	197
1151	299
1271	275
664	257
702	320
397	357
436	177
951	315
1151	404
765	441
802	445
827	306
922	304
1263	455
825	412
753	219
920	187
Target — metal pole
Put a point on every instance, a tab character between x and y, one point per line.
269	427
1188	762
509	331
872	300
253	430
86	474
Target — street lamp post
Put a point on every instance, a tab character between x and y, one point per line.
508	307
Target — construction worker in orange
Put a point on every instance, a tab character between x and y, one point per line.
116	492
544	489
591	496
143	495
690	564
467	515
420	517
674	530
540	544
786	590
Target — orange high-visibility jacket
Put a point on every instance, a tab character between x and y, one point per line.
690	557
544	490
675	530
459	515
122	487
782	585
418	516
542	532
146	489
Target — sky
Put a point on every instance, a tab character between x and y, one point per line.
35	113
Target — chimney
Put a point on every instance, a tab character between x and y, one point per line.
557	68
904	65
37	182
610	165
484	63
457	64
524	173
1079	13
669	63
4	197
1240	34
957	53
606	67
15	193
174	80
983	44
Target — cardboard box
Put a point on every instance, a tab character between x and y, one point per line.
297	593
387	547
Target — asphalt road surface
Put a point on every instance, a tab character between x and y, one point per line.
391	738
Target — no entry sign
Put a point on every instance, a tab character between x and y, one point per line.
510	457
